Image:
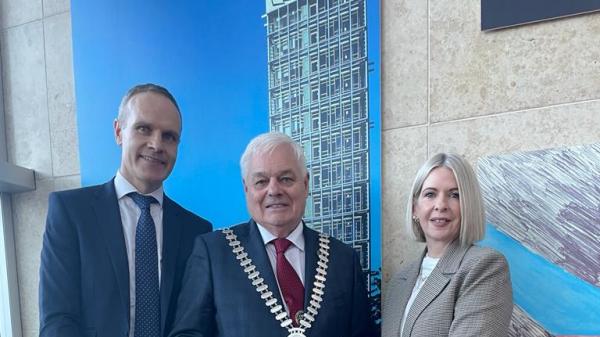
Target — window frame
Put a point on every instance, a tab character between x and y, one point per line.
12	179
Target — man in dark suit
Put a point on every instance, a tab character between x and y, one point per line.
272	276
113	255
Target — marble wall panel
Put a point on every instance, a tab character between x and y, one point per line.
61	101
403	152
65	152
475	73
17	12
67	183
31	333
29	214
404	63
52	7
573	124
26	110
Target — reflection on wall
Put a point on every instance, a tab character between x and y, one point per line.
543	213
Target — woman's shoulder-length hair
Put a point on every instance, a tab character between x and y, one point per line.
471	202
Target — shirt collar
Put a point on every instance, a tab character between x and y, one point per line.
295	236
124	187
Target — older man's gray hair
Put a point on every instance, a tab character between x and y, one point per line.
266	143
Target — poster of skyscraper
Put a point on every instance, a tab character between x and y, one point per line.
308	68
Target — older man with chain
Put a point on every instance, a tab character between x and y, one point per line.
273	276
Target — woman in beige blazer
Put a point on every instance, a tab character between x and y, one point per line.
455	288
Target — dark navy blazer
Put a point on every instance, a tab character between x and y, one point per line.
218	300
84	274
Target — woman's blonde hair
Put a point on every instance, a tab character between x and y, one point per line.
472	212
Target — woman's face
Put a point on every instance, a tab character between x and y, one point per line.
438	209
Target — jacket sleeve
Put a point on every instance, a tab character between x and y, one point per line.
59	288
195	315
484	306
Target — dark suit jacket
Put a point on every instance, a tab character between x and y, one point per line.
468	294
84	275
217	299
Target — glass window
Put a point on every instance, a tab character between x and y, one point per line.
323	59
336	144
325	204
322	31
347	170
313	7
346	51
334	25
336	175
316	177
345	81
317	205
324	146
322	5
336	198
347	200
324	118
303	9
335	115
347	230
345	22
325	177
292	13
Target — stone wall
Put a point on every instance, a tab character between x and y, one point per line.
446	86
37	75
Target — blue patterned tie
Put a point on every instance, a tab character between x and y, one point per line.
147	294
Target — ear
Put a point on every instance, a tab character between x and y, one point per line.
118	130
306	180
245	186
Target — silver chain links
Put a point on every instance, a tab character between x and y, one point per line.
262	288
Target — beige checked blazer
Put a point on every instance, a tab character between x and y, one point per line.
468	294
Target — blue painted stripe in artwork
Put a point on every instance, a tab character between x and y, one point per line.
561	302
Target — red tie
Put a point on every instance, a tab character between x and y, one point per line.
289	282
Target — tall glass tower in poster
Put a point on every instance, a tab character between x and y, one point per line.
319	95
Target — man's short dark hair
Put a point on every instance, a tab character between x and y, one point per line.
141	88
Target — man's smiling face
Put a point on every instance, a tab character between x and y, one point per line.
276	188
149	136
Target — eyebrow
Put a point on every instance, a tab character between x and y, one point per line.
263	174
172	133
435	189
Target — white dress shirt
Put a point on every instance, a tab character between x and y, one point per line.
130	213
294	254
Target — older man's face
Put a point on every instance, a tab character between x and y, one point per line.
276	188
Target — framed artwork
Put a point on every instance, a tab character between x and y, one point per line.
543	213
308	68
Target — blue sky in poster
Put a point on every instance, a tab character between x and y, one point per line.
212	55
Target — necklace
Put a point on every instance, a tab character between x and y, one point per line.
262	288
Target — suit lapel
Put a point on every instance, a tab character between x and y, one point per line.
252	241
108	217
405	290
311	243
170	250
435	283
